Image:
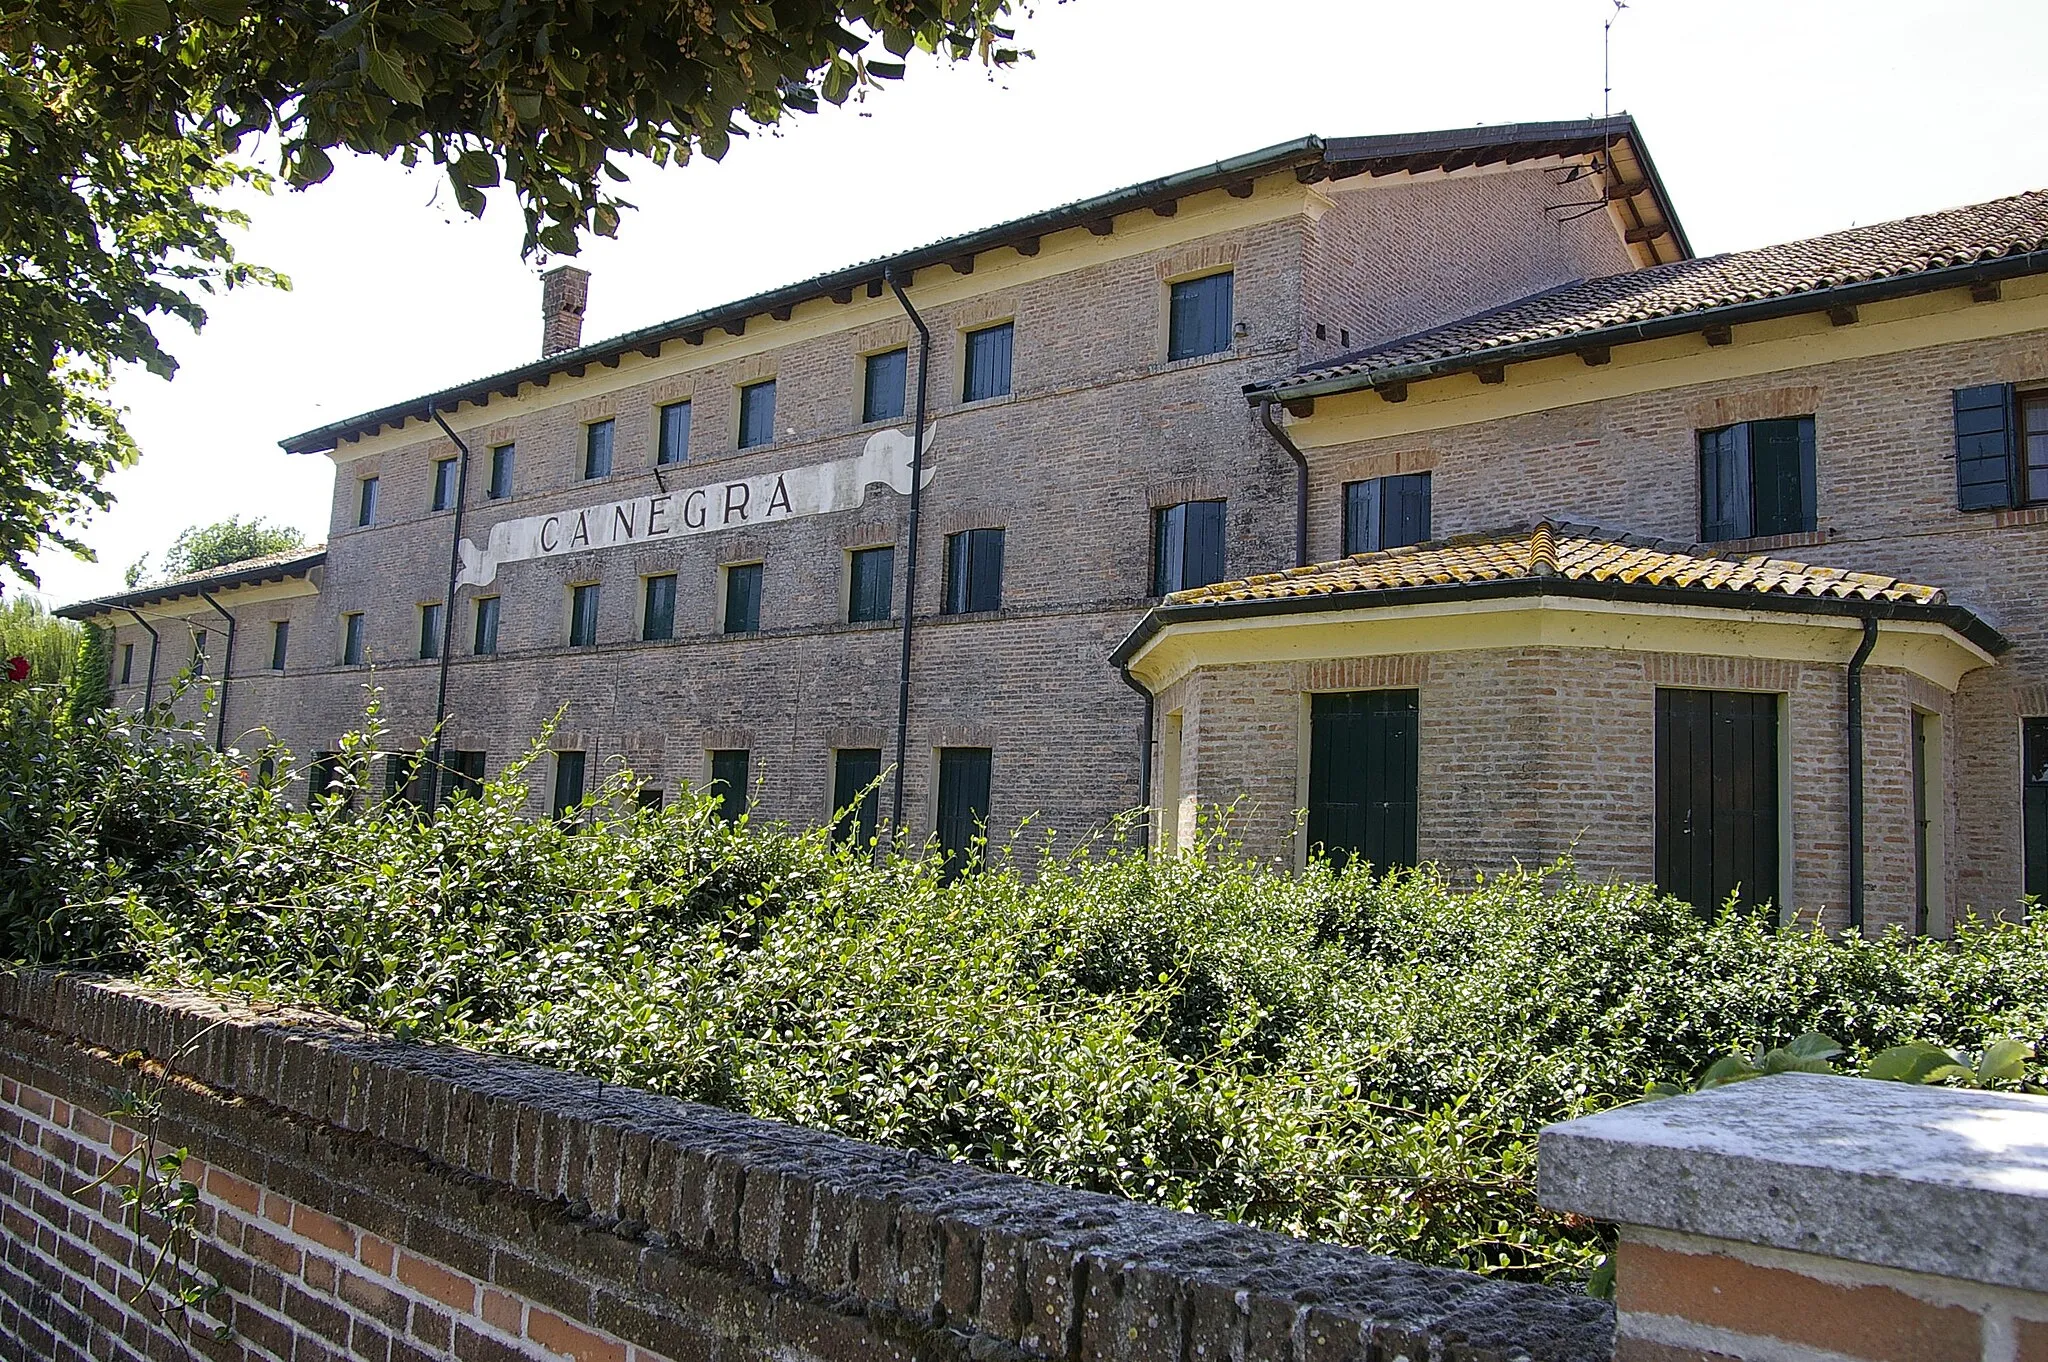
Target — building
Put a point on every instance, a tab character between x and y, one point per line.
1412	496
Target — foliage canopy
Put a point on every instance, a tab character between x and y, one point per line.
201	548
121	121
1362	1059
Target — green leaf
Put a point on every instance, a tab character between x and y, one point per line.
1813	1045
525	104
1729	1069
218	11
2004	1061
310	164
446	27
138	19
390	77
1908	1063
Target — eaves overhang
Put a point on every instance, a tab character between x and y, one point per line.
266	571
1959	620
1311	159
1398	377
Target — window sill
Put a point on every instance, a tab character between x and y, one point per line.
980	402
2036	514
1168	366
1770	543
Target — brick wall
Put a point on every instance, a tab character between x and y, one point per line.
365	1199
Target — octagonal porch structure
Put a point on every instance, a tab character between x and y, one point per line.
1657	713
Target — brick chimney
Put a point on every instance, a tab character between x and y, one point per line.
563	292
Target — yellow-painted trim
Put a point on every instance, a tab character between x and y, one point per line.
1932	651
232	597
1274	198
1900	324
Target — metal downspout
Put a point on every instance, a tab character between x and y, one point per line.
924	356
1279	433
434	772
148	690
227	672
1144	753
1856	771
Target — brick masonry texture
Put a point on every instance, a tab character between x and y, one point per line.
367	1199
1098	431
1886	504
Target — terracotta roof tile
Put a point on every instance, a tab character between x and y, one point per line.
1573	552
1916	245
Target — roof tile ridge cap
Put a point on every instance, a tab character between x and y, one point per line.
1543	550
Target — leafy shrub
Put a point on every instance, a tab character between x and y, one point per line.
1361	1059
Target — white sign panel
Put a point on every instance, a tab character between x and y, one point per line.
768	499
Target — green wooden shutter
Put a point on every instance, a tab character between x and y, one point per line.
1362	516
1404	510
856	798
963	804
1169	548
729	783
1781	473
2034	805
1717	797
1986	438
1364	750
1726	511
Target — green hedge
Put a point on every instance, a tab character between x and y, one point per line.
1355	1058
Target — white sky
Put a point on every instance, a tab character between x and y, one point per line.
1769	119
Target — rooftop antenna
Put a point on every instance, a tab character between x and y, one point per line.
1606	60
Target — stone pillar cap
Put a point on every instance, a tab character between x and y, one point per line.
1947	1181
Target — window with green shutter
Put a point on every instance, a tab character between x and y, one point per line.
987	363
1717	797
484	641
673	445
583	615
280	644
2034	804
884	384
658	611
964	774
757	414
430	630
974	571
445	472
1187	546
856	794
568	783
597	449
871	584
742	598
1363	764
502	457
1386	513
1198	316
1757	478
729	783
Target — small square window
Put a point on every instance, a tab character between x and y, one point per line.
352	639
1386	513
886	379
446	471
1198	317
757	414
673	444
484	639
430	630
366	502
280	641
871	583
597	450
987	367
742	598
658	612
729	783
1187	546
502	457
583	615
974	571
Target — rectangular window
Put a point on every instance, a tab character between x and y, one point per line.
445	473
1717	797
325	780
127	663
2034	805
974	571
648	799
199	652
1187	546
757	414
1198	317
986	372
658	613
1363	759
484	640
597	449
280	642
673	445
2001	448
1386	513
1927	835
568	784
430	630
963	806
729	783
462	773
366	502
742	598
352	639
885	382
407	779
583	615
501	470
1757	479
871	584
856	794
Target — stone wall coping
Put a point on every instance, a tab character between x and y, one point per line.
1947	1181
1046	1267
